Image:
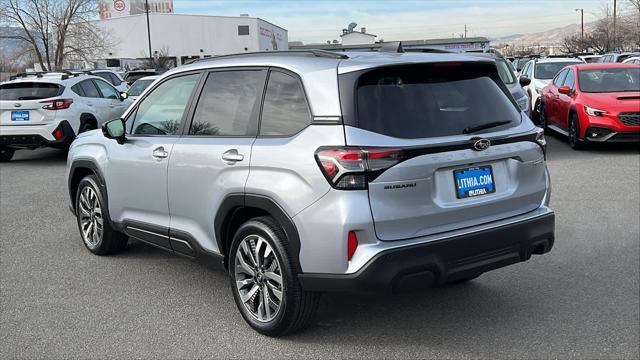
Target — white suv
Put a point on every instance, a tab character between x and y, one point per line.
540	72
51	109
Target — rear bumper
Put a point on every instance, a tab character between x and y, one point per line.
445	260
32	136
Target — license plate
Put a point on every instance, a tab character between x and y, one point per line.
19	116
475	181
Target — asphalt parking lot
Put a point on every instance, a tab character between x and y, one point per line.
579	301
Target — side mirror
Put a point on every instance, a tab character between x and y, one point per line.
123	96
114	129
564	89
524	81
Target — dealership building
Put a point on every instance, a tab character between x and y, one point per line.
182	38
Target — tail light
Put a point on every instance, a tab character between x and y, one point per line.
351	168
58	133
58	104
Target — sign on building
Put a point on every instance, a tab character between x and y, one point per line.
116	8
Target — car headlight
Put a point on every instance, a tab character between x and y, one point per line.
594	112
523	103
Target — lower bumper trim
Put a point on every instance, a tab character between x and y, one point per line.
437	262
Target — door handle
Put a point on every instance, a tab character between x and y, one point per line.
160	153
232	156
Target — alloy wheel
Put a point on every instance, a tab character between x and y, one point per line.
90	215
258	278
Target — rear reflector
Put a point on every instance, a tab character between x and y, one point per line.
58	134
352	244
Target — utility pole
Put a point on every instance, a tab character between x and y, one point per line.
146	4
581	28
465	31
614	25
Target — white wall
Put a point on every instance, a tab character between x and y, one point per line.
357	38
185	35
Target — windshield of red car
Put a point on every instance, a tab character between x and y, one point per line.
609	80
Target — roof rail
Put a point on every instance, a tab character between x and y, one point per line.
314	52
428	50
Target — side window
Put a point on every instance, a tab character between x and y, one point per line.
285	110
104	75
89	89
570	80
160	113
229	103
107	90
78	89
557	81
114	79
525	70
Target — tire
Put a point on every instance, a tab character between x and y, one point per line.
574	133
536	116
294	308
6	154
463	280
100	239
542	117
87	126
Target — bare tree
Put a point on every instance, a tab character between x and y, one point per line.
160	60
54	29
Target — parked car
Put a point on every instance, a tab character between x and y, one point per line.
590	58
133	75
618	57
311	171
540	72
140	85
594	103
519	63
112	77
508	76
632	60
50	110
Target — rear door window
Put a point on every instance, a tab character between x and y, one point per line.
285	110
29	91
89	89
229	104
423	101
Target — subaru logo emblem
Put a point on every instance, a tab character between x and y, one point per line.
17	105
482	144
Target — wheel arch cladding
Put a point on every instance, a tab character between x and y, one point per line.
79	170
236	209
88	118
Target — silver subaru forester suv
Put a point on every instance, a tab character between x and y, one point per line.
308	171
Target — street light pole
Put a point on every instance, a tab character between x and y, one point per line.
581	27
146	4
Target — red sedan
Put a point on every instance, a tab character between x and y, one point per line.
596	102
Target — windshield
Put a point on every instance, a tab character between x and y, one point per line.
138	87
546	71
505	72
29	91
609	80
421	101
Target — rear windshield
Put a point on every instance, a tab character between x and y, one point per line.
609	80
546	71
138	87
433	100
29	91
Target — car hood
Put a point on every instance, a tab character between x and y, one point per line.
539	84
616	101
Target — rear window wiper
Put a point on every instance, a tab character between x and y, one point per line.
472	129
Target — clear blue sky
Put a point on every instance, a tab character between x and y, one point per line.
320	20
